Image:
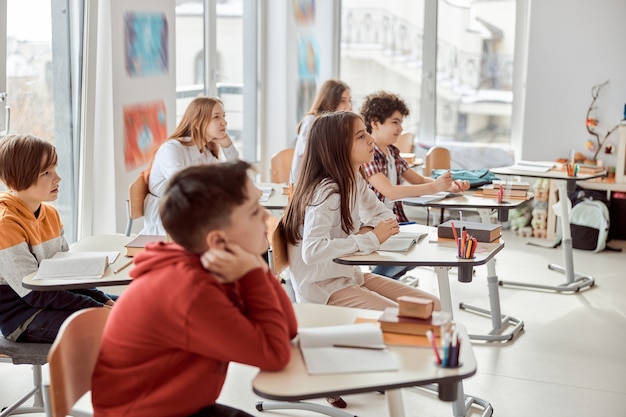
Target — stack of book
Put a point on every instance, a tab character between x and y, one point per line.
412	316
139	243
509	189
483	232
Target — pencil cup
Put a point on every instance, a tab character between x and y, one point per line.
466	273
446	366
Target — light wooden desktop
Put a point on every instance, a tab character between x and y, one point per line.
87	244
574	281
417	366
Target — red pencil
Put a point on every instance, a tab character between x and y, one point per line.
456	237
431	339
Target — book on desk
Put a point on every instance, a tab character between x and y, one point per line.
139	243
345	349
391	321
429	198
483	232
402	241
492	190
75	265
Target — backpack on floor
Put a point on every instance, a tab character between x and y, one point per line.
590	225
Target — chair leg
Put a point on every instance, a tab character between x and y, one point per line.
301	405
35	393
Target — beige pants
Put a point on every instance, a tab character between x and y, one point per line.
377	293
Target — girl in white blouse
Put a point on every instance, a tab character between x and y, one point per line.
333	213
197	140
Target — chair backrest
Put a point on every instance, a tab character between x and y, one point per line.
137	192
280	166
437	157
405	142
73	356
280	257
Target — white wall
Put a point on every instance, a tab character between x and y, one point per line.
279	72
573	46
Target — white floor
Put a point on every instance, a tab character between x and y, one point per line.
569	360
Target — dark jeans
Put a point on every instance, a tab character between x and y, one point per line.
219	410
395	272
45	327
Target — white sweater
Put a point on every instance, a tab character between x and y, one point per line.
314	274
170	158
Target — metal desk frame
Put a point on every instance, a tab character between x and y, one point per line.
574	281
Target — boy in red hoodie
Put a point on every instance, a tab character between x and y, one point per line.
196	304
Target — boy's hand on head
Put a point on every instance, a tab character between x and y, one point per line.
385	229
231	264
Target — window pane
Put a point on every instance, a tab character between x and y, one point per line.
37	66
475	49
190	53
381	49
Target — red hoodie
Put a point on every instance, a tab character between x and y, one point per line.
169	339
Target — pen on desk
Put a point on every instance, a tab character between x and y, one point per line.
405	223
370	347
124	265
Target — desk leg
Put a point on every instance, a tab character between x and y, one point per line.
463	402
498	321
443	282
574	281
394	402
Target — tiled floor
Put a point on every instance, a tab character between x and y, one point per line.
568	361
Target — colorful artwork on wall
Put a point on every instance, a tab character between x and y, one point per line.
146	43
304	11
145	128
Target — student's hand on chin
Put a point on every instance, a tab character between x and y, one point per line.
224	142
231	264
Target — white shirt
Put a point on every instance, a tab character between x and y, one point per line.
298	153
171	157
314	274
392	175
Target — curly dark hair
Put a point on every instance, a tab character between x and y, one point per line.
379	106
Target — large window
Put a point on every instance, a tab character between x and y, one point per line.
210	60
38	90
382	47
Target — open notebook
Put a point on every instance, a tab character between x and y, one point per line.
328	350
76	265
267	192
429	198
402	242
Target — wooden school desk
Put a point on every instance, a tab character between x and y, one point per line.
574	281
417	366
87	244
484	205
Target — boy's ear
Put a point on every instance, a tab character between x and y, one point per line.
216	239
